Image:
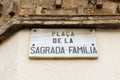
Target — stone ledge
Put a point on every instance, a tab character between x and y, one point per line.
59	21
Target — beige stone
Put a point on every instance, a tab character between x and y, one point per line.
38	10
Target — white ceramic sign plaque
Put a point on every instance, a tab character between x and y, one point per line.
63	43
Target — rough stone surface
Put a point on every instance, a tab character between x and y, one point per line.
73	13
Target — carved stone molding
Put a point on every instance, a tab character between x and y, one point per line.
59	21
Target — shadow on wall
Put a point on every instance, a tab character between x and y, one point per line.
115	0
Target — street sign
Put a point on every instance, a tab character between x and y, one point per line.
62	43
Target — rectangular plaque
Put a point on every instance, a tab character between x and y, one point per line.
63	43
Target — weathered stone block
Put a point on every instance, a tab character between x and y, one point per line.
99	4
58	3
